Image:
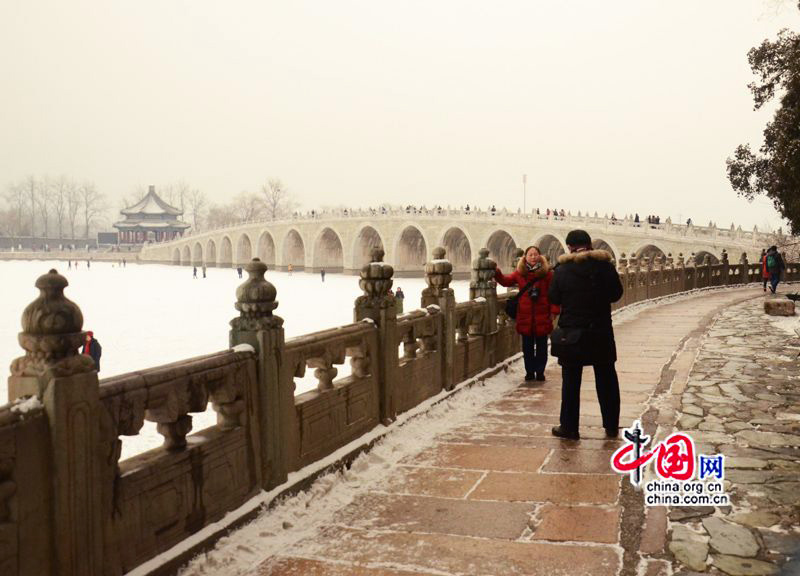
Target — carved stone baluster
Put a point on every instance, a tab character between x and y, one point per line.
410	345
427	339
325	371
438	275
359	361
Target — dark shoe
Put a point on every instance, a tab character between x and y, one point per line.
562	433
612	432
530	377
540	377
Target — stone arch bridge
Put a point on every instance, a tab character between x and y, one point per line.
343	242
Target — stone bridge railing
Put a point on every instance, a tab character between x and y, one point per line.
69	506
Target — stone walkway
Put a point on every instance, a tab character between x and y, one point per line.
743	400
501	496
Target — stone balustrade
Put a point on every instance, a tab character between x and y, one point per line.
69	506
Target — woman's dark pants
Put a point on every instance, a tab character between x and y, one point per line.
607	385
534	351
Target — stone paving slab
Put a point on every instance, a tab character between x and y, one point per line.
501	496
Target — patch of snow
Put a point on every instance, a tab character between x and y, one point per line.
303	515
788	324
368	320
25	405
243	348
480	299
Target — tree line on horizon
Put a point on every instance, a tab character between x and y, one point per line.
65	208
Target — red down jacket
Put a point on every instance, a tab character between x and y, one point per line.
533	318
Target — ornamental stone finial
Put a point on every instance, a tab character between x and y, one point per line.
376	277
681	262
724	257
255	300
438	272
482	275
51	333
743	258
518	253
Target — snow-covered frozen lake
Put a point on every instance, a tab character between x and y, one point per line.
147	315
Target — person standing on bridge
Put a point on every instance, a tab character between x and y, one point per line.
534	310
585	284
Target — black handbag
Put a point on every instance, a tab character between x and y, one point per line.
572	344
513	302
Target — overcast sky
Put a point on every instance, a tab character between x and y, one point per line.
610	106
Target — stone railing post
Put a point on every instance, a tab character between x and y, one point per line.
273	406
725	276
378	305
680	269
692	263
744	273
438	275
708	268
67	385
483	285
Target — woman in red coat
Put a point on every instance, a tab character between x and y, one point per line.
534	311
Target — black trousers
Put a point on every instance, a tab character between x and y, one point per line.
607	385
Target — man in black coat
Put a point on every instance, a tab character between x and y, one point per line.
585	283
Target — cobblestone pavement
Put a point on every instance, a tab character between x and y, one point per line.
742	400
501	496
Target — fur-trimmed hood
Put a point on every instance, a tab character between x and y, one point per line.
540	273
601	255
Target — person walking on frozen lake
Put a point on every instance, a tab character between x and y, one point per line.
399	296
88	264
194	273
585	284
322	274
91	347
69	267
239	271
204	270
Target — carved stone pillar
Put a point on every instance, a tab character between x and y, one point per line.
270	409
724	277
438	275
66	383
483	285
744	276
378	305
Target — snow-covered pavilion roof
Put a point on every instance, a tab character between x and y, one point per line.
151	204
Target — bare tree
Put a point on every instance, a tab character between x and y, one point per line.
278	201
92	202
197	205
60	191
30	190
43	199
248	206
73	207
220	215
16	197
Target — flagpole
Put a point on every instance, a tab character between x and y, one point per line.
524	193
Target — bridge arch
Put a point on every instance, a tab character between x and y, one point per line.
186	256
459	249
501	248
176	256
551	247
244	249
266	248
700	257
226	252
328	252
600	244
366	239
648	251
197	254
211	253
294	250
411	250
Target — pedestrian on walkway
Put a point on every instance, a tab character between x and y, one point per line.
194	274
585	284
322	274
775	266
204	270
764	271
91	347
535	313
239	271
